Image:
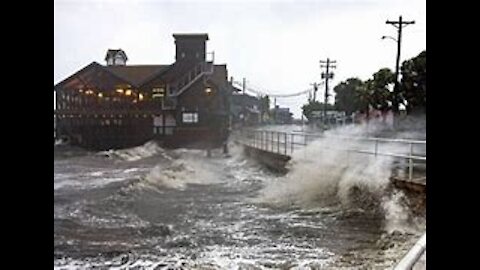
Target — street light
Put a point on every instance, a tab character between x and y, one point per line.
395	88
399	25
384	37
208	92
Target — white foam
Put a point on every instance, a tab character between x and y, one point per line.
179	173
136	153
322	174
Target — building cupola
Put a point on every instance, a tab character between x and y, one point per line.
116	57
190	47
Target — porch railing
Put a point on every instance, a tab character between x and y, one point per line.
202	68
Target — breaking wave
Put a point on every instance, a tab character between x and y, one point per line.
182	168
136	153
321	175
177	209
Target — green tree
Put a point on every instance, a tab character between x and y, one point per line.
413	86
375	93
364	94
347	97
379	89
312	106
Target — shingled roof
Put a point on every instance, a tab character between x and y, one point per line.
136	74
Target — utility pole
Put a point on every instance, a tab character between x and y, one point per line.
275	110
315	89
244	103
244	85
399	25
327	75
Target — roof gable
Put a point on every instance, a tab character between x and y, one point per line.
92	76
136	75
71	77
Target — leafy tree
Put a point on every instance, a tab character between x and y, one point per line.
364	93
354	95
312	106
380	95
347	96
413	86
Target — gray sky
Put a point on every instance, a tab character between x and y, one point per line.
276	45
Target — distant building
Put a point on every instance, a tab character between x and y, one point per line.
333	117
282	115
118	105
384	117
245	108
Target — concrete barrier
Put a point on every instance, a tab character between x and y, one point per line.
273	161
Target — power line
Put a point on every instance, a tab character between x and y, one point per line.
258	92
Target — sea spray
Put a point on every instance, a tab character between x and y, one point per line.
324	173
180	172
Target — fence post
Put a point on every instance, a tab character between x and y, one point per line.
410	163
265	138
278	142
261	140
304	146
376	147
271	142
285	143
291	143
252	138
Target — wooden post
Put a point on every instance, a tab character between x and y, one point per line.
292	140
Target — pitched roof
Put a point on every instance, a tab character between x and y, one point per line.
136	74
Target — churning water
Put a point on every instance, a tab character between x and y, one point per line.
150	208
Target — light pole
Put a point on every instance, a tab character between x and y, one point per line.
384	37
208	94
395	89
399	25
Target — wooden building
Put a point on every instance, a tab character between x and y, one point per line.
245	109
282	116
184	104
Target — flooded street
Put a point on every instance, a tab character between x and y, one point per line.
237	135
149	208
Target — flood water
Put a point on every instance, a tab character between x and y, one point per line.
149	208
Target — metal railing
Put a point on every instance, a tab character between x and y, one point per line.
192	76
413	255
284	143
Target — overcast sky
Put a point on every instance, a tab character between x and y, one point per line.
275	45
